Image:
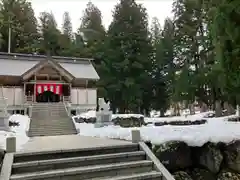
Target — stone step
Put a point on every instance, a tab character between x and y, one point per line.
50	134
49	122
48	109
49	131
68	153
62	163
153	175
89	172
51	125
53	133
51	119
48	104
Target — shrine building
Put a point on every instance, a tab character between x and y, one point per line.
26	79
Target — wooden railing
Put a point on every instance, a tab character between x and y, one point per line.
29	99
67	99
66	102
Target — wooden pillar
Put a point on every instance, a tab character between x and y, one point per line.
24	90
70	90
14	98
34	93
86	92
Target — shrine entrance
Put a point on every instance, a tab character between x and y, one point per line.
47	96
48	92
47	82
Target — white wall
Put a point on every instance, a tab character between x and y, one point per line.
19	98
83	96
14	95
92	96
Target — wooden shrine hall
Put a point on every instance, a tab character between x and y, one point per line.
27	79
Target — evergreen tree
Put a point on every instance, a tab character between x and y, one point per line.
191	48
50	43
226	38
19	15
128	64
67	26
66	38
163	71
91	25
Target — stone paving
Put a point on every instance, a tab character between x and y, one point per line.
65	142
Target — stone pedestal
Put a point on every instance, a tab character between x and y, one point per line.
11	144
136	136
104	118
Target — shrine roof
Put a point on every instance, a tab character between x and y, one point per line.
14	64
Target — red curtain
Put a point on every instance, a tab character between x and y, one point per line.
55	88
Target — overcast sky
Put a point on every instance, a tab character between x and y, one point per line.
156	8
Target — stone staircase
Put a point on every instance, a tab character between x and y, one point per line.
118	162
50	119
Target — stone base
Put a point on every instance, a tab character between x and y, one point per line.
103	119
102	124
11	144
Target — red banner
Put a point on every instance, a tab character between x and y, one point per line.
55	88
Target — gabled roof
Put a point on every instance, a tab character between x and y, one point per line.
18	64
50	62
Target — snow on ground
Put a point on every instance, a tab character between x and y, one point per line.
92	114
194	117
18	131
215	130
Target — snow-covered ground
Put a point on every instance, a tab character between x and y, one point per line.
18	131
92	114
215	130
194	117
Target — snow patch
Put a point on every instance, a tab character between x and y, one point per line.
18	131
215	130
92	114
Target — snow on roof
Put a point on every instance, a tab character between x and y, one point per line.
17	64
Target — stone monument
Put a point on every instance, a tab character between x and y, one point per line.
103	115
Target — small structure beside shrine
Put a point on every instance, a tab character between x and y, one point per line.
103	115
27	79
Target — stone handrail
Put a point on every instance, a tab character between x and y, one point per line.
136	138
157	164
66	108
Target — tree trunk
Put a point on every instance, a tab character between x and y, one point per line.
229	108
238	111
218	109
162	113
191	109
203	107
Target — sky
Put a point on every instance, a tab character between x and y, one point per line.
155	8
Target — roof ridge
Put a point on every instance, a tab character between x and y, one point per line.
34	57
